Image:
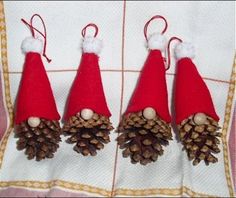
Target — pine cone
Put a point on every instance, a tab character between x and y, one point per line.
89	135
200	141
143	139
40	142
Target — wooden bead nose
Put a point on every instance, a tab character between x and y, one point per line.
33	121
149	113
199	118
86	114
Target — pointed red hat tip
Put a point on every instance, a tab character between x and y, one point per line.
87	90
35	97
191	93
151	90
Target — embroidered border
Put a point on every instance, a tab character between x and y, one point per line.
6	81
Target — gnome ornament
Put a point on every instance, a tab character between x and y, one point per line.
36	116
87	116
195	113
145	126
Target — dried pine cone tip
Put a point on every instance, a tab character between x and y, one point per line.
200	138
88	135
41	141
142	139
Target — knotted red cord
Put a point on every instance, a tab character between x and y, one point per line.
168	48
32	28
83	32
148	22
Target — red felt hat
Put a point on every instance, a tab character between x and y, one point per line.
151	90
87	90
35	97
191	93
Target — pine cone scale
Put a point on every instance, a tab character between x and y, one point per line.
38	142
88	135
142	139
200	141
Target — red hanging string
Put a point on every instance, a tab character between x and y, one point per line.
148	22
83	32
32	28
168	48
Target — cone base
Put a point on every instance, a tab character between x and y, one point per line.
89	136
39	142
142	139
200	141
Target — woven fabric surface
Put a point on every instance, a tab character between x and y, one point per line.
208	25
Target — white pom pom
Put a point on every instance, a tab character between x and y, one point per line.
92	45
31	44
157	41
184	50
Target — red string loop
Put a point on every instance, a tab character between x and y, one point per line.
148	22
168	48
83	32
32	28
44	35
